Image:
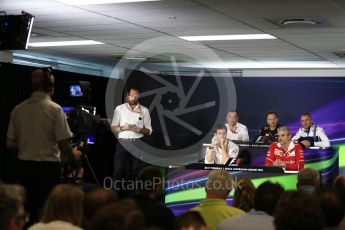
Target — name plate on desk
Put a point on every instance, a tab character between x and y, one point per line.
259	169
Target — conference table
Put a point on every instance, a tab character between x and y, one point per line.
185	185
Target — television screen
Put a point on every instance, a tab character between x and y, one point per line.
75	91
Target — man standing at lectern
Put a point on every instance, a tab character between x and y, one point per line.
131	121
285	153
222	149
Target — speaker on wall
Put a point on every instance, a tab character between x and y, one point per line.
15	31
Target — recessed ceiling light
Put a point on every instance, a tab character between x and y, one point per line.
298	21
228	37
98	2
134	58
65	43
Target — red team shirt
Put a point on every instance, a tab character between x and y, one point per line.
293	157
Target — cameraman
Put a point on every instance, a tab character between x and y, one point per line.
39	130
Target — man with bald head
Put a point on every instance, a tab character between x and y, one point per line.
39	131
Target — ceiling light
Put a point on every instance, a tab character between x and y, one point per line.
98	2
65	43
228	37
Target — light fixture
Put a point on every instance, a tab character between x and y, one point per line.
228	37
99	2
65	43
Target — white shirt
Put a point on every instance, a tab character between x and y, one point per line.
251	220
320	133
240	133
139	116
37	124
217	151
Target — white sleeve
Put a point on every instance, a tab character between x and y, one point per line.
206	161
297	135
116	117
324	139
245	134
147	120
233	150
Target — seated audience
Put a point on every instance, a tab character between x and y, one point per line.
297	210
285	153
96	199
222	150
310	134
190	220
149	188
269	132
123	215
244	195
308	180
332	207
235	130
265	201
339	186
12	212
214	209
63	209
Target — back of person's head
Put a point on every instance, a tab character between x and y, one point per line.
244	194
42	80
123	215
65	203
191	220
219	184
339	186
12	213
267	196
149	181
297	210
308	177
332	207
96	199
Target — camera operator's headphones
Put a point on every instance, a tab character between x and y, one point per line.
48	82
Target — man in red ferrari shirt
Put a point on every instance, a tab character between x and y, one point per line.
285	153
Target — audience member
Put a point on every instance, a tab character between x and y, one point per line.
297	210
339	186
149	188
190	220
332	207
244	195
63	209
265	201
308	180
12	212
123	215
96	199
214	209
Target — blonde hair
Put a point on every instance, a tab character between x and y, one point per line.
65	202
244	195
219	182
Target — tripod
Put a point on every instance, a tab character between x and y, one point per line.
73	171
